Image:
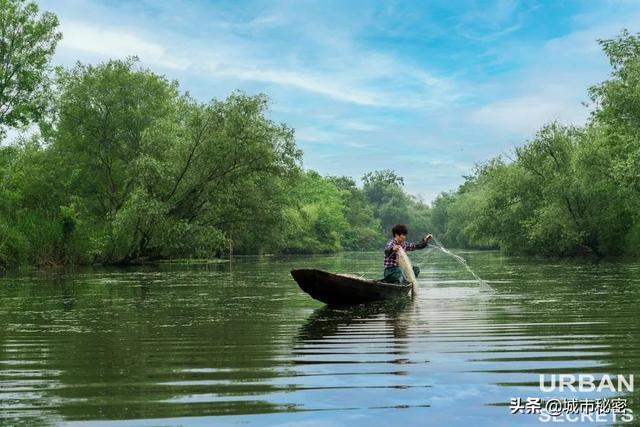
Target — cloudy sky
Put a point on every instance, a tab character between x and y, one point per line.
425	88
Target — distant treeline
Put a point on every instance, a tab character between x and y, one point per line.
570	189
124	167
127	169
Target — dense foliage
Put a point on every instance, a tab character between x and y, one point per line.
125	167
569	190
27	43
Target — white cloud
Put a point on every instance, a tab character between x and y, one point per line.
524	115
356	88
553	85
358	145
349	74
360	126
338	89
491	22
313	134
112	42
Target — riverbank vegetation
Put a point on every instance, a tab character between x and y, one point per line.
125	167
568	190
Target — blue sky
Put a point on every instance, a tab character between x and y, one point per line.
425	88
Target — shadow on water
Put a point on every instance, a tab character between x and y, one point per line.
328	321
361	353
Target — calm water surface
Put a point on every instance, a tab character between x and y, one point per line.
240	344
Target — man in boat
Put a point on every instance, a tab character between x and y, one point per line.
392	271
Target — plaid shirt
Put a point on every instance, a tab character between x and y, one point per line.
391	257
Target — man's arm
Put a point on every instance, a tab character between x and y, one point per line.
420	245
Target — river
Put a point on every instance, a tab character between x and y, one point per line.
240	344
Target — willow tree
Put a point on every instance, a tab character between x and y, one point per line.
167	175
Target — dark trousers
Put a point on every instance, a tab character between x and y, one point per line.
394	274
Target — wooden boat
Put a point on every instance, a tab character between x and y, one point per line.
341	289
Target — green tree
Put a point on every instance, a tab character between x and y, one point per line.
316	218
392	205
617	107
27	43
169	175
383	189
616	130
364	231
105	112
14	245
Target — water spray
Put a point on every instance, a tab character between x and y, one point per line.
484	285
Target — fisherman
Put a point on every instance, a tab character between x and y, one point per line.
392	271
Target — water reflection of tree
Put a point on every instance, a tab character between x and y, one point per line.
141	343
